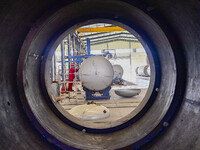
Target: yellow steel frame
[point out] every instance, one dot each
(100, 29)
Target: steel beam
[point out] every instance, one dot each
(112, 35)
(102, 34)
(100, 29)
(113, 40)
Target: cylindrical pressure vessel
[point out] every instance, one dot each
(118, 71)
(143, 70)
(96, 73)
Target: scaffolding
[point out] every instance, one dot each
(71, 46)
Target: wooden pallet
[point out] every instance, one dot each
(77, 94)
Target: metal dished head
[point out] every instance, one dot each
(128, 92)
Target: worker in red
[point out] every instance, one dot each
(72, 71)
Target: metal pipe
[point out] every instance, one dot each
(69, 48)
(63, 61)
(53, 68)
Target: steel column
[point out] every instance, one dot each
(88, 46)
(63, 60)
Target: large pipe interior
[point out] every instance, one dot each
(30, 29)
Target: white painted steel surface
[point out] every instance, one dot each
(128, 92)
(96, 73)
(118, 71)
(148, 71)
(143, 70)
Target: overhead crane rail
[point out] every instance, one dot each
(100, 29)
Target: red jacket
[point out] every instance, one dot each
(72, 73)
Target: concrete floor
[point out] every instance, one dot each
(119, 106)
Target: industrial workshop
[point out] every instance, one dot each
(99, 75)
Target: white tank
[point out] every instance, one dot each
(148, 71)
(96, 73)
(143, 70)
(118, 71)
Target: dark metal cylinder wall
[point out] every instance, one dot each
(178, 19)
